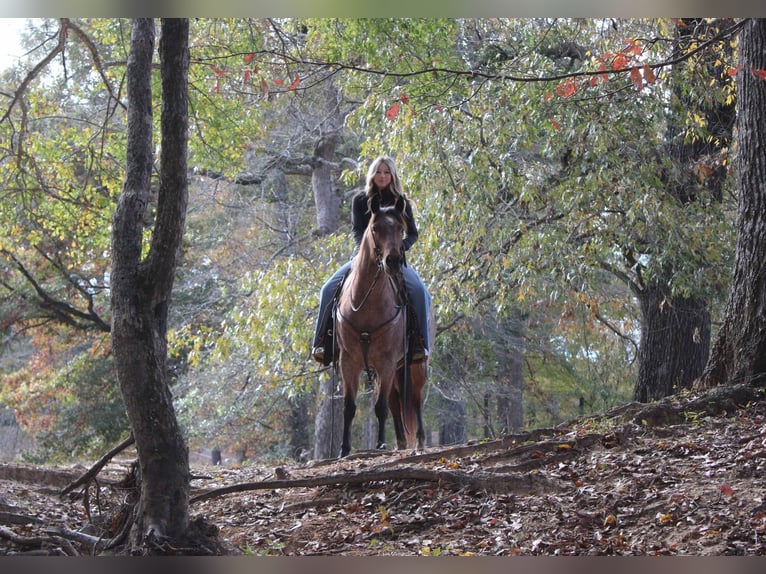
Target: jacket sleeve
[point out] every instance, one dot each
(359, 217)
(412, 229)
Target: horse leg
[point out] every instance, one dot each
(350, 388)
(349, 410)
(418, 379)
(381, 413)
(395, 404)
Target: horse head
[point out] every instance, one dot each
(386, 228)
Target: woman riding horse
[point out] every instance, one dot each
(383, 188)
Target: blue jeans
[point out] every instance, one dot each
(417, 293)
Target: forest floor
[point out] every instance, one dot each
(682, 476)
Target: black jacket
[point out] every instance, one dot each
(360, 217)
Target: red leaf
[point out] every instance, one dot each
(218, 71)
(249, 57)
(633, 48)
(620, 62)
(264, 88)
(637, 79)
(649, 75)
(392, 112)
(404, 98)
(567, 88)
(556, 125)
(247, 77)
(733, 71)
(278, 82)
(726, 490)
(295, 84)
(759, 73)
(548, 97)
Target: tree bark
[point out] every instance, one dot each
(328, 423)
(675, 340)
(326, 199)
(739, 353)
(141, 288)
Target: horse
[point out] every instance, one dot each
(371, 333)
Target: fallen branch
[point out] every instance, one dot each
(13, 518)
(477, 480)
(96, 468)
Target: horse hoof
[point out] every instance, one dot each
(382, 446)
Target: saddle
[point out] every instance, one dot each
(332, 351)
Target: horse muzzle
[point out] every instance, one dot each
(392, 263)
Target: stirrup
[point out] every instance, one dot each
(317, 353)
(419, 354)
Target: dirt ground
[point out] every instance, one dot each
(681, 477)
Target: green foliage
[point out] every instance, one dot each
(547, 199)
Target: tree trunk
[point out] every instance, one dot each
(326, 199)
(328, 424)
(452, 414)
(510, 377)
(299, 426)
(739, 353)
(675, 330)
(140, 289)
(675, 340)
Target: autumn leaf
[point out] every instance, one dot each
(649, 76)
(637, 79)
(246, 78)
(664, 518)
(392, 112)
(404, 99)
(759, 73)
(620, 62)
(567, 88)
(295, 84)
(249, 57)
(726, 490)
(633, 48)
(733, 71)
(383, 515)
(264, 88)
(558, 128)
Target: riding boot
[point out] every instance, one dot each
(418, 350)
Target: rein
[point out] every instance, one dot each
(365, 337)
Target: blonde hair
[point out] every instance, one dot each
(396, 184)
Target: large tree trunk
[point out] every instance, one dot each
(140, 289)
(739, 353)
(675, 330)
(675, 340)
